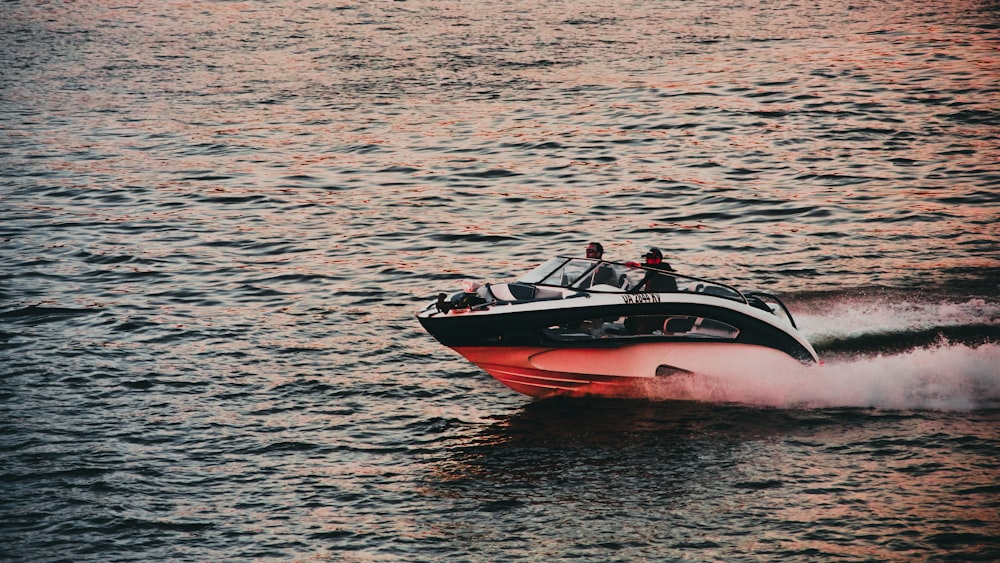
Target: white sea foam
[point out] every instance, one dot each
(946, 377)
(852, 318)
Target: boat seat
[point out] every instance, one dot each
(549, 293)
(513, 291)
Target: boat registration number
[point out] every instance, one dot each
(633, 298)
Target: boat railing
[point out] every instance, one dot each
(775, 305)
(696, 284)
(603, 276)
(645, 283)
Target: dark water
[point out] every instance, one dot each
(218, 218)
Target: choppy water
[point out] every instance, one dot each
(219, 217)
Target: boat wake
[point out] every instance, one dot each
(945, 377)
(889, 354)
(889, 324)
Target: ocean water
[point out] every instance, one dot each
(218, 218)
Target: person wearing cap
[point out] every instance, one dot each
(658, 283)
(652, 282)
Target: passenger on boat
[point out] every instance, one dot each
(656, 282)
(604, 274)
(652, 282)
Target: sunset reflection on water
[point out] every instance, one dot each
(220, 218)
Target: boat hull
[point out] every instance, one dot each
(625, 371)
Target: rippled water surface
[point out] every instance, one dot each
(218, 219)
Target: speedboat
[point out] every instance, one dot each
(582, 326)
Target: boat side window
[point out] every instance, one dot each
(683, 326)
(679, 324)
(674, 326)
(698, 327)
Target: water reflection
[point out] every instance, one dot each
(245, 210)
(689, 479)
(589, 440)
(630, 476)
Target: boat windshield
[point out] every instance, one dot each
(584, 274)
(559, 271)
